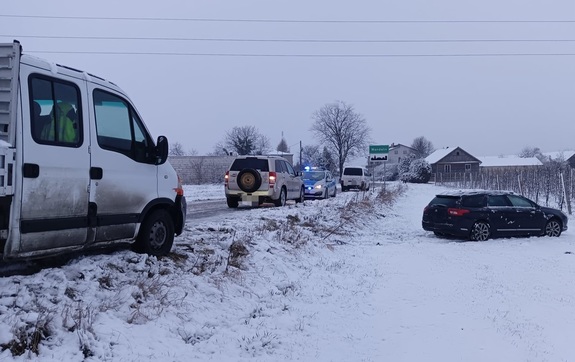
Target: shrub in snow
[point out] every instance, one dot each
(404, 164)
(419, 172)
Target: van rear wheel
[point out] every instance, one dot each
(156, 235)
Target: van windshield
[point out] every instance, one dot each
(352, 171)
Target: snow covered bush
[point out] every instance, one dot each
(419, 172)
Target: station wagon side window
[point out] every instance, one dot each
(519, 201)
(56, 112)
(473, 201)
(119, 128)
(497, 200)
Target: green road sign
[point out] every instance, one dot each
(377, 149)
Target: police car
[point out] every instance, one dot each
(318, 183)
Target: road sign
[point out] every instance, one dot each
(378, 149)
(378, 157)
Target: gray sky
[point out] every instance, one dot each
(488, 105)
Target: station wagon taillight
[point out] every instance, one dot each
(273, 177)
(457, 212)
(226, 179)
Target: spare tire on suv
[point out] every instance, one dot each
(259, 179)
(249, 180)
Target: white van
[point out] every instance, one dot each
(355, 177)
(78, 167)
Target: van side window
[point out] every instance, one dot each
(55, 109)
(119, 128)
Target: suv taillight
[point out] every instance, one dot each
(273, 177)
(457, 212)
(226, 178)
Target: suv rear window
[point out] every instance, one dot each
(255, 163)
(352, 171)
(448, 201)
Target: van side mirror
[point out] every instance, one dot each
(161, 150)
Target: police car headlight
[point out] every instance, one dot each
(318, 186)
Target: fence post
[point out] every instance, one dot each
(565, 193)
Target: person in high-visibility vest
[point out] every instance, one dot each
(65, 116)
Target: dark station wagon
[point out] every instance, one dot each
(479, 214)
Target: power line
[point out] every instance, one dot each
(282, 20)
(291, 40)
(305, 55)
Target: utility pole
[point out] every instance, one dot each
(300, 157)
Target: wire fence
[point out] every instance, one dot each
(551, 185)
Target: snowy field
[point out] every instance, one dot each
(329, 280)
(204, 192)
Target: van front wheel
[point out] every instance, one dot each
(156, 235)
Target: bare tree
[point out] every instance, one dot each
(530, 151)
(327, 161)
(246, 140)
(342, 130)
(197, 167)
(219, 150)
(176, 149)
(310, 155)
(422, 146)
(262, 145)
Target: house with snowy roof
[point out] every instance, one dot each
(452, 160)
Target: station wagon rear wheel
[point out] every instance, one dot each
(156, 234)
(480, 231)
(553, 228)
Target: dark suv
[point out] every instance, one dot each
(479, 215)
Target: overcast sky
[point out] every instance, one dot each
(464, 93)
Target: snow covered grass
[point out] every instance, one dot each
(352, 278)
(204, 192)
